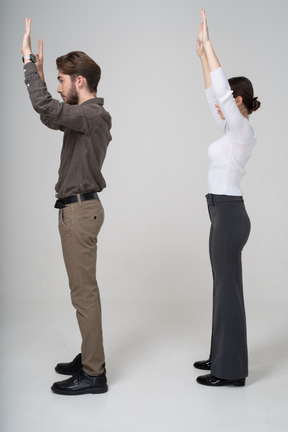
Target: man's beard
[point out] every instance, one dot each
(72, 97)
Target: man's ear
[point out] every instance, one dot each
(80, 81)
(238, 100)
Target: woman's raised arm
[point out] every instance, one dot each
(202, 55)
(204, 41)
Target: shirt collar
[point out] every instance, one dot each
(96, 100)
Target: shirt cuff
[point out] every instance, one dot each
(210, 94)
(29, 68)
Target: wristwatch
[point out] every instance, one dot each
(31, 57)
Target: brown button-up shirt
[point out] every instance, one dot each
(86, 130)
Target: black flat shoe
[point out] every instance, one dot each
(72, 367)
(81, 383)
(69, 368)
(203, 364)
(210, 380)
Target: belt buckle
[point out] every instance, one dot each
(59, 204)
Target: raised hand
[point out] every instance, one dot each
(199, 43)
(27, 49)
(40, 59)
(204, 27)
(203, 35)
(205, 49)
(26, 43)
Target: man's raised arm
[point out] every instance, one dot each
(27, 49)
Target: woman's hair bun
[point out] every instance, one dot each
(242, 86)
(255, 104)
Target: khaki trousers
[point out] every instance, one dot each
(79, 225)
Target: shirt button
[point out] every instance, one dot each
(28, 85)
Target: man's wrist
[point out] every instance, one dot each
(29, 57)
(26, 53)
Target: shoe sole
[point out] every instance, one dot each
(235, 384)
(61, 372)
(98, 390)
(203, 368)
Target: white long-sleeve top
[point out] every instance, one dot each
(229, 154)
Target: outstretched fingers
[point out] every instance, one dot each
(205, 34)
(40, 59)
(28, 26)
(26, 43)
(203, 16)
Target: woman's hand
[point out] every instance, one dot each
(205, 51)
(204, 46)
(204, 28)
(203, 35)
(199, 43)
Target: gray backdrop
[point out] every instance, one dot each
(154, 240)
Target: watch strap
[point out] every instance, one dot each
(31, 57)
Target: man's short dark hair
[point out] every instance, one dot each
(78, 63)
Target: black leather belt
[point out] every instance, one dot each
(61, 203)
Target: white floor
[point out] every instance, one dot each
(150, 353)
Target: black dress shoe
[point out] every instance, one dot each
(203, 364)
(210, 380)
(69, 368)
(72, 367)
(81, 383)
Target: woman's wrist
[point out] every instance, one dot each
(207, 45)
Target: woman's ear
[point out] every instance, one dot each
(238, 100)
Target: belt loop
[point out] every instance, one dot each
(79, 200)
(210, 199)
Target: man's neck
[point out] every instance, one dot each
(87, 96)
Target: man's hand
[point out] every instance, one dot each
(40, 59)
(27, 49)
(26, 43)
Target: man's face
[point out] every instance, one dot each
(67, 89)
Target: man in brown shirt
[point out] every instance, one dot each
(86, 126)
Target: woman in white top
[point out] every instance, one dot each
(231, 102)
